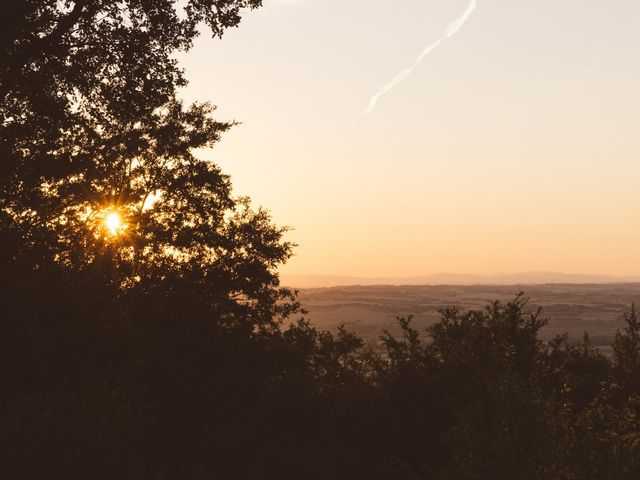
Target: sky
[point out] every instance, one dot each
(512, 145)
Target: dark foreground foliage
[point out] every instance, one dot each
(150, 390)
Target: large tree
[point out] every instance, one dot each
(135, 287)
(96, 165)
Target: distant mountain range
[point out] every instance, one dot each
(524, 278)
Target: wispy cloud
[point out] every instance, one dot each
(451, 30)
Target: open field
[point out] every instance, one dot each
(573, 308)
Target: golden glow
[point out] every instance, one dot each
(113, 223)
(497, 155)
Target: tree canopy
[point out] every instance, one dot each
(92, 128)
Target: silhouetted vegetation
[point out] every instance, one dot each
(158, 343)
(164, 389)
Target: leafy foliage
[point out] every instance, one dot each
(90, 126)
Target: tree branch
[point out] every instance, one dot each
(43, 45)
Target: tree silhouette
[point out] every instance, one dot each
(135, 288)
(91, 128)
(626, 356)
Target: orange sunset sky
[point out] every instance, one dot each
(514, 145)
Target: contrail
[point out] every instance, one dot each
(451, 30)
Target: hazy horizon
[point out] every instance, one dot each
(449, 278)
(511, 146)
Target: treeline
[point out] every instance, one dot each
(154, 387)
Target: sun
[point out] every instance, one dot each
(113, 223)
